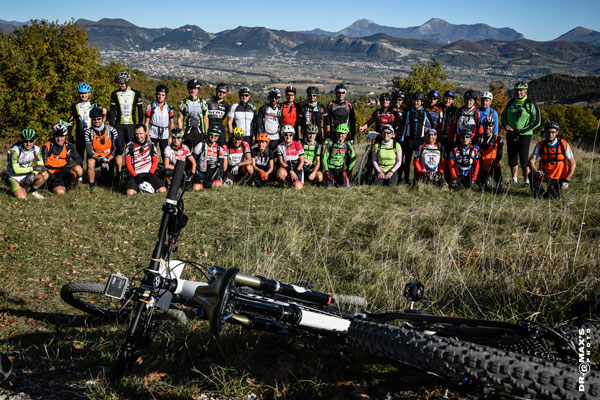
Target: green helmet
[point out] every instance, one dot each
(28, 134)
(312, 128)
(177, 133)
(342, 128)
(521, 85)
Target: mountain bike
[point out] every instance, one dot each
(520, 359)
(364, 174)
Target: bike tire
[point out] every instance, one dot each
(362, 174)
(526, 375)
(89, 297)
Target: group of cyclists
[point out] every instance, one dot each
(289, 143)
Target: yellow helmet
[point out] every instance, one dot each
(238, 133)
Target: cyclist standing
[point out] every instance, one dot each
(270, 119)
(314, 112)
(387, 158)
(416, 123)
(159, 119)
(466, 118)
(80, 116)
(291, 111)
(26, 167)
(338, 159)
(211, 161)
(464, 161)
(431, 107)
(243, 115)
(126, 110)
(262, 160)
(193, 115)
(62, 160)
(177, 151)
(398, 109)
(290, 158)
(312, 155)
(239, 158)
(340, 111)
(381, 116)
(485, 110)
(141, 159)
(447, 115)
(520, 117)
(429, 161)
(218, 109)
(557, 164)
(102, 147)
(491, 147)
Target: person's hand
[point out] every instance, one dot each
(104, 160)
(565, 184)
(40, 168)
(311, 177)
(389, 175)
(105, 166)
(508, 128)
(381, 175)
(263, 175)
(362, 128)
(235, 170)
(539, 173)
(454, 183)
(293, 175)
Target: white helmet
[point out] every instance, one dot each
(287, 129)
(146, 187)
(487, 95)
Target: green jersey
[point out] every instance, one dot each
(338, 156)
(522, 115)
(387, 154)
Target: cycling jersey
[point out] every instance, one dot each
(338, 156)
(160, 115)
(80, 114)
(290, 154)
(193, 112)
(447, 115)
(209, 156)
(217, 111)
(141, 158)
(21, 160)
(261, 159)
(291, 113)
(235, 155)
(174, 154)
(311, 152)
(429, 158)
(55, 157)
(341, 112)
(270, 121)
(382, 117)
(434, 114)
(465, 119)
(126, 107)
(464, 161)
(101, 142)
(315, 114)
(491, 150)
(244, 116)
(486, 112)
(386, 155)
(553, 157)
(416, 123)
(521, 115)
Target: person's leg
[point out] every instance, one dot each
(536, 185)
(554, 188)
(512, 150)
(524, 142)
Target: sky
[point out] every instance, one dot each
(536, 20)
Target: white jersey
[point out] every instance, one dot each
(125, 99)
(160, 116)
(83, 110)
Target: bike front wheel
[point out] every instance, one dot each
(526, 375)
(364, 169)
(89, 297)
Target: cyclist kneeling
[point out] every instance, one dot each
(463, 162)
(491, 147)
(239, 159)
(178, 151)
(429, 160)
(211, 161)
(290, 157)
(312, 155)
(62, 160)
(141, 159)
(338, 159)
(557, 164)
(101, 146)
(262, 160)
(387, 158)
(26, 167)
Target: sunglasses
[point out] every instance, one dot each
(222, 92)
(97, 119)
(244, 95)
(29, 141)
(340, 92)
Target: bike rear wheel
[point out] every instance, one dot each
(526, 375)
(89, 297)
(364, 170)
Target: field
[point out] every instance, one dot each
(508, 257)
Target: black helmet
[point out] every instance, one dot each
(290, 89)
(162, 88)
(96, 112)
(122, 77)
(274, 93)
(340, 86)
(193, 84)
(419, 96)
(244, 89)
(215, 129)
(59, 130)
(450, 93)
(383, 97)
(222, 86)
(312, 90)
(551, 125)
(470, 94)
(397, 94)
(433, 94)
(488, 121)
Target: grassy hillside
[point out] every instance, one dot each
(508, 257)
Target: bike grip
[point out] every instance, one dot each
(176, 182)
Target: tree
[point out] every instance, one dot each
(577, 124)
(423, 78)
(498, 90)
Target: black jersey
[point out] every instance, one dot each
(217, 111)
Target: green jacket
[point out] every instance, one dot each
(338, 156)
(522, 115)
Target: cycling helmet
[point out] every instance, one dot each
(342, 128)
(386, 127)
(238, 133)
(263, 137)
(59, 130)
(488, 121)
(312, 90)
(470, 94)
(465, 131)
(433, 94)
(290, 89)
(162, 88)
(96, 112)
(84, 88)
(397, 94)
(383, 97)
(521, 85)
(222, 86)
(193, 84)
(312, 128)
(450, 93)
(214, 131)
(274, 93)
(551, 125)
(244, 89)
(122, 77)
(177, 133)
(146, 187)
(431, 131)
(28, 134)
(419, 96)
(340, 86)
(287, 129)
(487, 95)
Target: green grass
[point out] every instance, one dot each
(508, 257)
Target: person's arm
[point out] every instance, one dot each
(205, 113)
(536, 119)
(375, 160)
(499, 151)
(366, 125)
(139, 107)
(417, 162)
(504, 117)
(192, 162)
(300, 163)
(351, 156)
(44, 151)
(181, 113)
(114, 108)
(147, 120)
(475, 168)
(495, 122)
(247, 159)
(281, 162)
(17, 168)
(171, 119)
(154, 158)
(129, 164)
(352, 122)
(74, 154)
(451, 165)
(271, 167)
